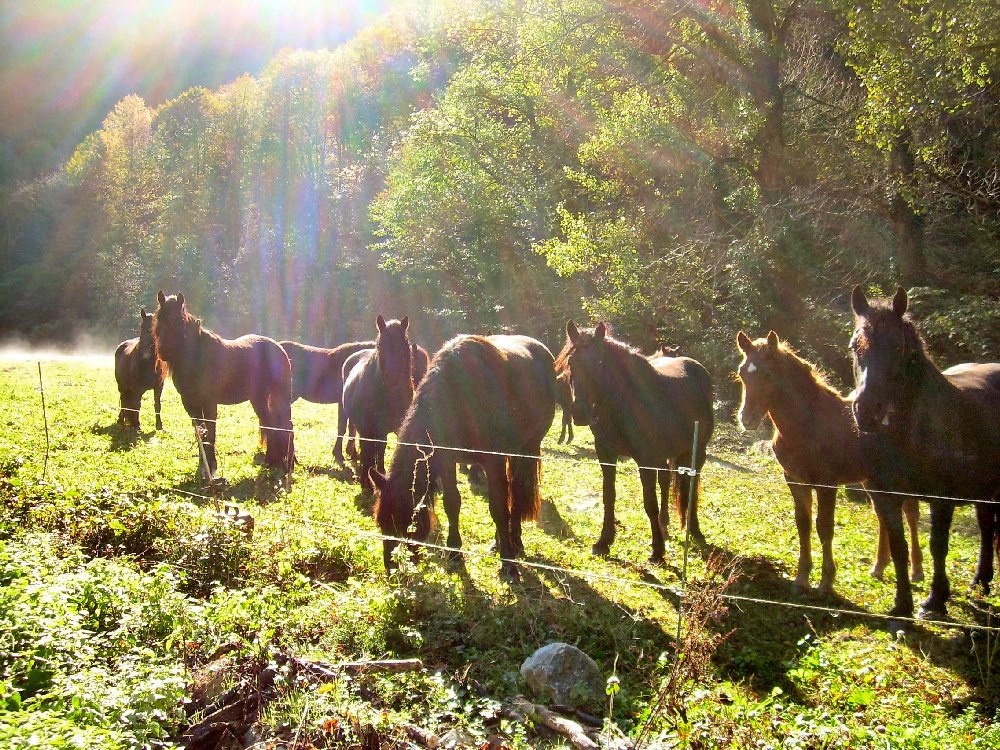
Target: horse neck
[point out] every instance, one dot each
(622, 371)
(803, 400)
(398, 386)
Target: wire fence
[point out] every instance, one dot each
(675, 591)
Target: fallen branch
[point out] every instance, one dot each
(423, 736)
(325, 671)
(568, 728)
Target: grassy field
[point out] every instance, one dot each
(128, 605)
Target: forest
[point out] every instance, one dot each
(680, 169)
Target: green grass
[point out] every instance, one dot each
(124, 519)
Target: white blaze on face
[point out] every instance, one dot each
(885, 421)
(751, 367)
(862, 377)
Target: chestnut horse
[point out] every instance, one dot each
(816, 443)
(494, 397)
(378, 389)
(136, 372)
(924, 432)
(317, 376)
(209, 370)
(641, 409)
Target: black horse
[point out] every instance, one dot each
(925, 432)
(641, 409)
(493, 397)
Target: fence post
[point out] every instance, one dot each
(692, 472)
(45, 419)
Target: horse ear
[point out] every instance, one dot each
(572, 332)
(380, 323)
(378, 480)
(899, 301)
(743, 342)
(180, 298)
(161, 297)
(772, 339)
(599, 331)
(143, 313)
(405, 322)
(858, 301)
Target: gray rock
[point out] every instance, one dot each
(561, 673)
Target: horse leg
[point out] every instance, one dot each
(157, 392)
(368, 460)
(942, 513)
(911, 510)
(663, 475)
(689, 516)
(131, 401)
(889, 508)
(353, 441)
(802, 498)
(500, 511)
(648, 479)
(986, 519)
(608, 470)
(562, 432)
(452, 507)
(338, 443)
(826, 501)
(882, 555)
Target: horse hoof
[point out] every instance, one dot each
(932, 612)
(800, 588)
(601, 550)
(917, 576)
(825, 589)
(655, 559)
(878, 574)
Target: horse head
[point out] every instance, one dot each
(402, 503)
(392, 343)
(887, 353)
(584, 356)
(169, 325)
(145, 331)
(756, 374)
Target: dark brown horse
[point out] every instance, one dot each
(491, 396)
(378, 389)
(816, 442)
(317, 376)
(564, 397)
(209, 370)
(136, 372)
(419, 361)
(641, 409)
(925, 432)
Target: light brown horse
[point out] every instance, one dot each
(816, 443)
(209, 370)
(136, 372)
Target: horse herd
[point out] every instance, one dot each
(908, 429)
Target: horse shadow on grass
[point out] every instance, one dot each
(122, 439)
(771, 628)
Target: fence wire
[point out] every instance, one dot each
(675, 591)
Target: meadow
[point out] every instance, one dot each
(129, 603)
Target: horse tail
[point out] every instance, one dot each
(279, 440)
(681, 488)
(523, 478)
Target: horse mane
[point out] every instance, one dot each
(799, 370)
(191, 330)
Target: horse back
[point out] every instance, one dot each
(493, 393)
(685, 390)
(246, 368)
(317, 373)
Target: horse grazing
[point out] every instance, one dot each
(641, 409)
(926, 432)
(378, 389)
(209, 370)
(816, 443)
(564, 397)
(487, 400)
(317, 376)
(136, 372)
